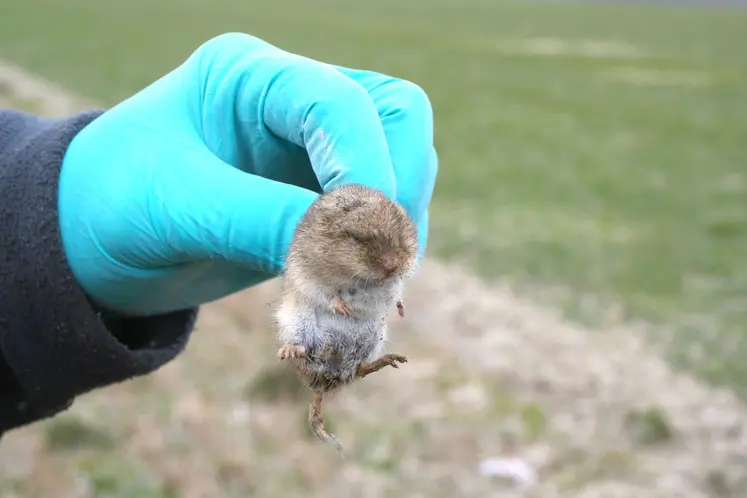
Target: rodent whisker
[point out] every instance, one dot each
(357, 278)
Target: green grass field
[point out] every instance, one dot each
(600, 148)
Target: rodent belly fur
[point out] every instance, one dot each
(337, 344)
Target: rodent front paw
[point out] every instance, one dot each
(401, 309)
(291, 351)
(339, 307)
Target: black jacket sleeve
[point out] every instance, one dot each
(54, 344)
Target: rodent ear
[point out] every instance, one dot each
(351, 204)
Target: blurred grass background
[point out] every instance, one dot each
(596, 147)
(596, 150)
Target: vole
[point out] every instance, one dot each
(346, 268)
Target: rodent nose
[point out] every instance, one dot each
(389, 262)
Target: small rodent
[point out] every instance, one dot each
(347, 265)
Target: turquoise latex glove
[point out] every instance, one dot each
(191, 189)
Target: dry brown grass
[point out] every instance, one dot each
(596, 413)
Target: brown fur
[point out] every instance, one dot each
(353, 230)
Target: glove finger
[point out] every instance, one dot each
(407, 117)
(307, 103)
(210, 210)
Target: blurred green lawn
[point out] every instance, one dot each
(615, 166)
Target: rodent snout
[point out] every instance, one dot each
(389, 262)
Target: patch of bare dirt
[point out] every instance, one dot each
(595, 413)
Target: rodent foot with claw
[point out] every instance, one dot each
(387, 360)
(339, 307)
(291, 351)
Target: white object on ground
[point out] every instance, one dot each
(514, 469)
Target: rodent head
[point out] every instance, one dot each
(354, 232)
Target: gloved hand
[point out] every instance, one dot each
(191, 189)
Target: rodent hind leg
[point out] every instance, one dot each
(387, 360)
(291, 351)
(339, 306)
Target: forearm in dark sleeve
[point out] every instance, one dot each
(54, 345)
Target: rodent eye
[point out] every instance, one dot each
(358, 238)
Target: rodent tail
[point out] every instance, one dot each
(316, 422)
